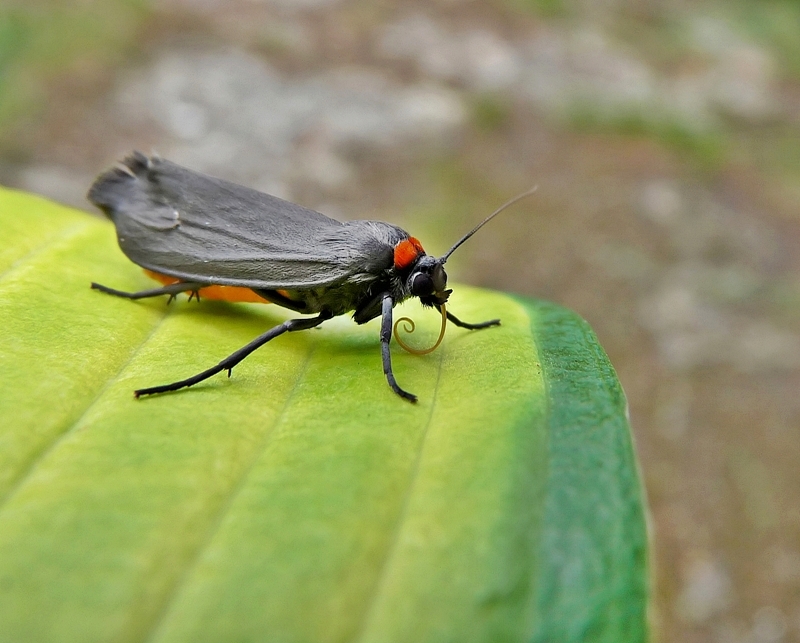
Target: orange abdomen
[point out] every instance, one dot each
(222, 293)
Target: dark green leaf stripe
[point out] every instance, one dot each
(592, 584)
(299, 501)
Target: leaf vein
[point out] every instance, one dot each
(60, 436)
(71, 231)
(225, 507)
(398, 528)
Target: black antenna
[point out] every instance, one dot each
(486, 220)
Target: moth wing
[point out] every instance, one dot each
(198, 228)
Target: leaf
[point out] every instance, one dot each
(300, 500)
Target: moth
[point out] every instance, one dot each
(200, 234)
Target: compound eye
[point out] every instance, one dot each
(439, 278)
(421, 285)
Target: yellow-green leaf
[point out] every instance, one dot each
(300, 500)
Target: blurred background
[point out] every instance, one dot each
(665, 140)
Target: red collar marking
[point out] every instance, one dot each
(406, 252)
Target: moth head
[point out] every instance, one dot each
(428, 281)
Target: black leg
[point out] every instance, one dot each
(172, 290)
(458, 322)
(234, 358)
(281, 300)
(386, 335)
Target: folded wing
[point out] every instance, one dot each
(181, 223)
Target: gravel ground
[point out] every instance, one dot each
(666, 146)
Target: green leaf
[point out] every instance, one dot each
(300, 500)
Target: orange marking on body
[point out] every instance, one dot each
(221, 293)
(406, 252)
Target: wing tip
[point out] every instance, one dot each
(105, 191)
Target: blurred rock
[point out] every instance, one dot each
(581, 70)
(691, 331)
(230, 113)
(742, 77)
(661, 201)
(769, 625)
(285, 5)
(300, 5)
(707, 591)
(688, 331)
(744, 84)
(477, 58)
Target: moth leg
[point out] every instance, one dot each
(234, 358)
(281, 300)
(173, 290)
(386, 335)
(461, 324)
